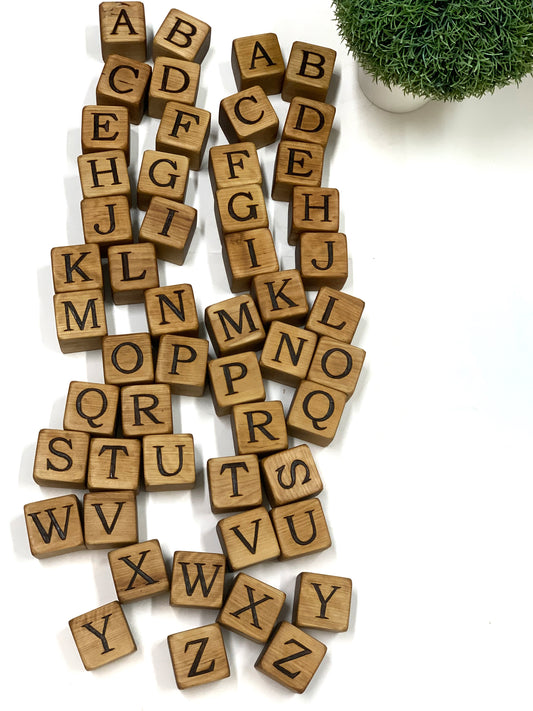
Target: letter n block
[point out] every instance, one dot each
(287, 353)
(110, 519)
(335, 314)
(259, 428)
(61, 459)
(127, 359)
(290, 475)
(247, 254)
(132, 270)
(104, 175)
(80, 320)
(54, 526)
(297, 163)
(106, 221)
(92, 408)
(280, 296)
(234, 325)
(313, 210)
(309, 71)
(309, 121)
(322, 260)
(123, 29)
(247, 538)
(249, 116)
(124, 82)
(322, 602)
(234, 483)
(114, 464)
(184, 129)
(234, 166)
(105, 128)
(315, 413)
(197, 579)
(172, 80)
(138, 571)
(146, 410)
(171, 309)
(182, 36)
(198, 656)
(182, 364)
(76, 268)
(257, 61)
(240, 209)
(235, 379)
(168, 462)
(301, 528)
(170, 227)
(336, 365)
(162, 174)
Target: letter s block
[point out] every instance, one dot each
(61, 458)
(309, 71)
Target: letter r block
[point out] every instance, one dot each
(54, 526)
(80, 320)
(124, 82)
(257, 61)
(197, 579)
(309, 71)
(146, 410)
(182, 36)
(198, 656)
(249, 116)
(322, 602)
(123, 29)
(138, 571)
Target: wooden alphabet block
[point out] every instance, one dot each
(54, 526)
(184, 129)
(309, 121)
(257, 61)
(337, 365)
(182, 36)
(234, 483)
(114, 464)
(280, 296)
(259, 428)
(127, 359)
(249, 116)
(123, 29)
(182, 364)
(172, 80)
(124, 82)
(322, 602)
(110, 519)
(315, 413)
(171, 310)
(105, 128)
(234, 325)
(247, 538)
(146, 410)
(291, 657)
(61, 459)
(287, 353)
(335, 314)
(235, 379)
(309, 72)
(290, 475)
(168, 462)
(234, 166)
(313, 210)
(297, 163)
(240, 209)
(132, 270)
(92, 408)
(106, 221)
(104, 175)
(170, 227)
(162, 175)
(322, 259)
(301, 528)
(76, 268)
(80, 320)
(138, 571)
(102, 636)
(197, 579)
(251, 608)
(198, 656)
(247, 254)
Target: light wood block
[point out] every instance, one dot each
(280, 296)
(240, 209)
(138, 571)
(163, 175)
(234, 325)
(54, 526)
(287, 353)
(170, 227)
(102, 636)
(132, 271)
(247, 254)
(297, 163)
(322, 602)
(257, 61)
(124, 82)
(105, 128)
(249, 116)
(61, 459)
(309, 121)
(146, 410)
(309, 72)
(184, 129)
(234, 483)
(234, 166)
(197, 579)
(322, 259)
(301, 528)
(182, 36)
(104, 175)
(337, 365)
(171, 310)
(291, 657)
(335, 314)
(251, 608)
(235, 379)
(127, 359)
(248, 538)
(106, 221)
(290, 475)
(313, 210)
(259, 428)
(172, 80)
(92, 408)
(168, 462)
(123, 29)
(315, 413)
(198, 656)
(110, 519)
(114, 464)
(76, 268)
(182, 364)
(80, 320)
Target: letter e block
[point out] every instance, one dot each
(132, 270)
(322, 260)
(171, 309)
(297, 163)
(106, 221)
(280, 296)
(234, 483)
(234, 166)
(61, 459)
(313, 210)
(234, 325)
(138, 571)
(123, 29)
(124, 82)
(315, 413)
(301, 528)
(309, 121)
(197, 579)
(249, 116)
(80, 320)
(247, 538)
(290, 475)
(235, 379)
(337, 365)
(104, 175)
(247, 254)
(182, 36)
(182, 364)
(110, 519)
(257, 61)
(198, 656)
(163, 175)
(92, 408)
(287, 353)
(54, 526)
(146, 410)
(335, 314)
(309, 71)
(170, 227)
(105, 128)
(184, 129)
(259, 428)
(114, 464)
(322, 602)
(168, 462)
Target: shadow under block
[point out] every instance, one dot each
(61, 459)
(102, 636)
(249, 116)
(182, 36)
(197, 579)
(198, 656)
(114, 464)
(76, 268)
(172, 80)
(290, 476)
(322, 259)
(301, 528)
(132, 270)
(297, 163)
(280, 296)
(162, 175)
(123, 29)
(309, 121)
(127, 359)
(259, 428)
(106, 221)
(315, 413)
(234, 325)
(168, 462)
(80, 320)
(170, 227)
(291, 657)
(105, 128)
(257, 61)
(247, 254)
(247, 538)
(182, 364)
(287, 353)
(234, 166)
(235, 379)
(171, 310)
(104, 175)
(336, 365)
(110, 519)
(124, 82)
(146, 410)
(92, 408)
(138, 571)
(234, 483)
(251, 608)
(322, 602)
(240, 209)
(313, 210)
(184, 129)
(54, 526)
(309, 72)
(335, 314)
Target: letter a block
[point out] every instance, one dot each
(132, 270)
(287, 353)
(247, 538)
(315, 413)
(290, 475)
(80, 320)
(110, 519)
(172, 80)
(168, 462)
(106, 221)
(234, 483)
(182, 36)
(54, 526)
(76, 268)
(197, 579)
(146, 410)
(235, 379)
(170, 227)
(162, 174)
(335, 314)
(182, 364)
(259, 428)
(104, 175)
(297, 163)
(249, 116)
(184, 129)
(309, 71)
(138, 571)
(124, 82)
(322, 602)
(198, 656)
(257, 61)
(92, 408)
(61, 459)
(301, 528)
(123, 29)
(234, 325)
(322, 260)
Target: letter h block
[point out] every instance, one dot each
(249, 116)
(197, 579)
(104, 175)
(138, 571)
(313, 210)
(123, 30)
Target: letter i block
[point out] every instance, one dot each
(92, 408)
(124, 82)
(287, 353)
(335, 314)
(309, 121)
(336, 365)
(313, 210)
(80, 320)
(301, 528)
(257, 61)
(291, 657)
(247, 254)
(322, 260)
(249, 116)
(76, 268)
(315, 413)
(290, 475)
(172, 80)
(146, 410)
(280, 296)
(171, 309)
(138, 571)
(309, 71)
(54, 526)
(259, 428)
(61, 459)
(162, 175)
(106, 221)
(234, 483)
(114, 464)
(322, 602)
(235, 379)
(104, 175)
(234, 166)
(132, 270)
(168, 462)
(102, 636)
(110, 519)
(297, 163)
(238, 209)
(247, 538)
(105, 128)
(198, 656)
(123, 29)
(234, 325)
(170, 227)
(197, 580)
(182, 36)
(127, 359)
(184, 129)
(182, 364)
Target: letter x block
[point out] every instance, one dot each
(235, 379)
(171, 309)
(301, 528)
(184, 129)
(234, 325)
(240, 209)
(198, 656)
(92, 408)
(313, 210)
(234, 483)
(315, 413)
(132, 270)
(287, 353)
(127, 359)
(182, 36)
(138, 571)
(322, 259)
(259, 428)
(110, 519)
(247, 254)
(249, 116)
(309, 71)
(123, 29)
(168, 462)
(182, 364)
(124, 82)
(61, 459)
(54, 526)
(309, 121)
(146, 410)
(197, 579)
(280, 296)
(76, 268)
(162, 174)
(170, 227)
(337, 365)
(322, 602)
(114, 464)
(106, 221)
(80, 320)
(257, 61)
(335, 314)
(172, 80)
(297, 163)
(290, 475)
(247, 538)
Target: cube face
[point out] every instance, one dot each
(80, 320)
(234, 166)
(162, 174)
(146, 410)
(172, 80)
(248, 538)
(280, 296)
(54, 526)
(182, 364)
(335, 314)
(197, 579)
(309, 121)
(322, 260)
(171, 310)
(322, 602)
(124, 82)
(313, 210)
(291, 475)
(92, 408)
(104, 175)
(114, 464)
(76, 268)
(198, 656)
(110, 519)
(257, 61)
(105, 128)
(170, 227)
(241, 209)
(106, 221)
(127, 359)
(315, 413)
(234, 483)
(184, 129)
(132, 270)
(287, 353)
(123, 29)
(259, 428)
(182, 36)
(297, 163)
(337, 365)
(309, 71)
(102, 636)
(138, 571)
(168, 462)
(234, 325)
(247, 254)
(235, 379)
(61, 458)
(249, 116)
(301, 528)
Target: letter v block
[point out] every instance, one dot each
(198, 656)
(301, 528)
(138, 571)
(197, 579)
(248, 538)
(54, 526)
(110, 519)
(322, 602)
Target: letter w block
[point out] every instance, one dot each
(197, 579)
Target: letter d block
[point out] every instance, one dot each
(124, 82)
(197, 580)
(123, 29)
(182, 36)
(257, 61)
(240, 209)
(162, 175)
(335, 314)
(309, 121)
(172, 80)
(168, 462)
(61, 459)
(127, 359)
(92, 408)
(248, 538)
(315, 413)
(198, 656)
(54, 526)
(146, 410)
(297, 163)
(259, 428)
(110, 519)
(170, 227)
(249, 116)
(138, 571)
(322, 602)
(301, 528)
(76, 268)
(309, 71)
(80, 320)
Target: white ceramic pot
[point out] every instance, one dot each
(394, 99)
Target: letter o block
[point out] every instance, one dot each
(128, 359)
(315, 413)
(249, 116)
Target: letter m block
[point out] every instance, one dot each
(80, 320)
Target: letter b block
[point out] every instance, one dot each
(182, 36)
(309, 71)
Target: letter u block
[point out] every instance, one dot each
(163, 175)
(80, 320)
(172, 80)
(309, 72)
(197, 579)
(249, 116)
(123, 29)
(257, 61)
(54, 526)
(124, 82)
(168, 462)
(301, 528)
(182, 36)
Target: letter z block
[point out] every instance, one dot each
(249, 116)
(301, 528)
(309, 72)
(80, 320)
(124, 82)
(138, 571)
(247, 538)
(197, 580)
(54, 526)
(297, 163)
(123, 29)
(198, 656)
(322, 602)
(61, 459)
(172, 80)
(92, 408)
(234, 483)
(168, 462)
(257, 61)
(110, 519)
(182, 36)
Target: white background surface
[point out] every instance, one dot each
(428, 484)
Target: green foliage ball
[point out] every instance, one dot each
(440, 49)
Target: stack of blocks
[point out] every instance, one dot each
(118, 433)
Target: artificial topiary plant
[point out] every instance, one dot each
(440, 49)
